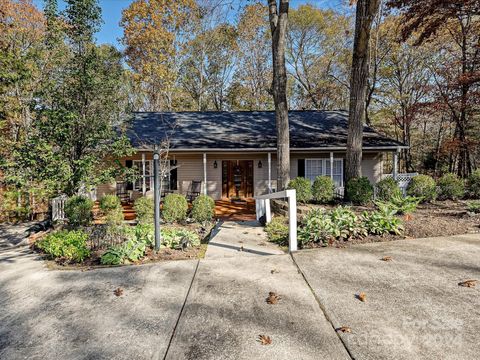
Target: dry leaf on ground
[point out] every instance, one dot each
(264, 339)
(274, 271)
(468, 283)
(361, 296)
(118, 292)
(273, 298)
(386, 258)
(344, 329)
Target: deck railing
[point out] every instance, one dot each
(58, 208)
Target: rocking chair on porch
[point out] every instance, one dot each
(194, 191)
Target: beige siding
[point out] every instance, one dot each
(191, 168)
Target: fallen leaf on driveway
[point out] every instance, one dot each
(361, 296)
(468, 283)
(264, 339)
(386, 258)
(118, 292)
(273, 271)
(272, 298)
(344, 329)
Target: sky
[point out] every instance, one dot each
(111, 32)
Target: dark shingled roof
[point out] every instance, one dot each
(238, 130)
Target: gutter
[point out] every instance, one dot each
(265, 150)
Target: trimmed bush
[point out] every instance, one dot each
(78, 210)
(323, 189)
(144, 210)
(69, 245)
(112, 209)
(473, 184)
(359, 191)
(277, 230)
(451, 187)
(203, 209)
(387, 188)
(303, 188)
(175, 208)
(424, 187)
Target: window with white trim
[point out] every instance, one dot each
(138, 184)
(321, 167)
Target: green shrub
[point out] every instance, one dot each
(359, 190)
(175, 238)
(112, 209)
(70, 245)
(422, 186)
(474, 207)
(402, 205)
(451, 187)
(382, 222)
(303, 188)
(277, 230)
(323, 226)
(130, 251)
(175, 208)
(144, 210)
(203, 209)
(473, 184)
(387, 188)
(323, 189)
(78, 210)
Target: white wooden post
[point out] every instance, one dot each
(144, 180)
(331, 165)
(395, 165)
(269, 173)
(268, 213)
(292, 220)
(204, 173)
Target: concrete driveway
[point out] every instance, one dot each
(414, 307)
(52, 314)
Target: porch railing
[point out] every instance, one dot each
(403, 180)
(58, 208)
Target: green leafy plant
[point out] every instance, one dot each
(277, 230)
(203, 209)
(359, 190)
(175, 207)
(70, 245)
(130, 251)
(145, 233)
(175, 238)
(78, 210)
(402, 205)
(322, 226)
(422, 186)
(382, 222)
(323, 189)
(473, 184)
(474, 207)
(144, 210)
(303, 188)
(112, 209)
(451, 187)
(387, 188)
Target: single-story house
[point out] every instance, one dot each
(233, 154)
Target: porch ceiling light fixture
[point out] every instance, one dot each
(215, 165)
(260, 164)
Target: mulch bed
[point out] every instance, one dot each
(439, 218)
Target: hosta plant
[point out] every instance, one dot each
(382, 222)
(401, 205)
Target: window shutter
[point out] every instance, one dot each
(173, 175)
(301, 167)
(129, 164)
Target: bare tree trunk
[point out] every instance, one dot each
(278, 17)
(366, 12)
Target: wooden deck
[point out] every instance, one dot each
(225, 209)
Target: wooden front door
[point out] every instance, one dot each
(237, 178)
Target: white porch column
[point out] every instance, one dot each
(144, 184)
(331, 165)
(204, 173)
(269, 173)
(395, 165)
